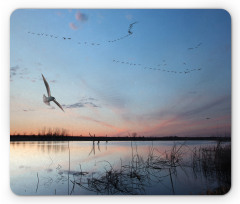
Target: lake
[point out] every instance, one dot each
(110, 168)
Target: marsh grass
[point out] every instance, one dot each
(139, 173)
(215, 164)
(133, 178)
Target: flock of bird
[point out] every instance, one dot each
(63, 38)
(160, 67)
(83, 43)
(186, 71)
(125, 36)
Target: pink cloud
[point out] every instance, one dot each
(73, 26)
(81, 17)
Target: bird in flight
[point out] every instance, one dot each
(50, 98)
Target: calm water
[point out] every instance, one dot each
(81, 168)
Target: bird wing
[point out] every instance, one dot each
(47, 86)
(58, 105)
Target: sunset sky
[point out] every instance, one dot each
(105, 97)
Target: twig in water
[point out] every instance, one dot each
(37, 183)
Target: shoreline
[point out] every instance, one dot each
(103, 138)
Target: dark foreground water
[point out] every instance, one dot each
(115, 168)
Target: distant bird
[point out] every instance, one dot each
(208, 118)
(48, 99)
(64, 38)
(199, 44)
(69, 38)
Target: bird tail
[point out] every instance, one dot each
(45, 100)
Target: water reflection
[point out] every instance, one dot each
(118, 168)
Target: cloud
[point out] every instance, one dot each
(191, 111)
(93, 99)
(81, 17)
(81, 104)
(74, 105)
(189, 121)
(208, 106)
(73, 26)
(16, 70)
(88, 99)
(13, 70)
(92, 104)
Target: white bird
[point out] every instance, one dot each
(48, 99)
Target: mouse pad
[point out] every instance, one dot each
(120, 102)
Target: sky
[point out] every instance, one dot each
(118, 72)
